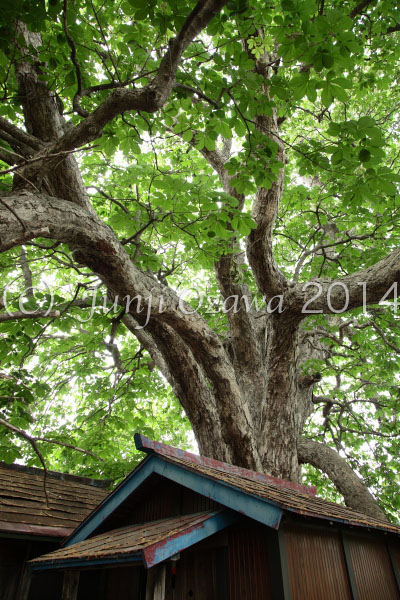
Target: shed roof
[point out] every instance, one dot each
(284, 494)
(23, 507)
(149, 543)
(255, 495)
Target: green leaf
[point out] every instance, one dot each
(364, 155)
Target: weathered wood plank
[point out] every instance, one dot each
(155, 587)
(24, 584)
(70, 586)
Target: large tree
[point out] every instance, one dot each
(246, 150)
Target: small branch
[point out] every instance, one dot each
(188, 88)
(360, 7)
(35, 160)
(70, 40)
(27, 273)
(71, 446)
(19, 315)
(380, 332)
(393, 29)
(32, 442)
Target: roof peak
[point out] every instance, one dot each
(149, 446)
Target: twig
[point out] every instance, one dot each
(32, 442)
(70, 40)
(71, 446)
(189, 88)
(19, 315)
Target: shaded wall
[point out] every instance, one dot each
(373, 572)
(14, 574)
(324, 562)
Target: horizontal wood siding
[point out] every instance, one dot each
(248, 568)
(316, 565)
(372, 568)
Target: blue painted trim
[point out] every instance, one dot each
(157, 553)
(244, 503)
(82, 564)
(109, 504)
(224, 493)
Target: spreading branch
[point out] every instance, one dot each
(367, 286)
(148, 99)
(355, 493)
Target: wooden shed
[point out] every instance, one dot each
(35, 518)
(182, 526)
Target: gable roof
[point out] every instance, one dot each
(23, 508)
(287, 495)
(150, 543)
(255, 495)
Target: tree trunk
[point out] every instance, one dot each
(245, 396)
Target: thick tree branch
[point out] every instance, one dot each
(19, 136)
(148, 99)
(365, 287)
(260, 254)
(94, 245)
(360, 7)
(356, 494)
(244, 328)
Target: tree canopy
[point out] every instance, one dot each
(199, 226)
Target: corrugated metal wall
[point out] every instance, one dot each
(194, 576)
(316, 565)
(372, 568)
(160, 503)
(248, 568)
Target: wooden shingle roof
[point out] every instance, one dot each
(287, 496)
(23, 506)
(150, 542)
(291, 499)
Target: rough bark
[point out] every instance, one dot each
(244, 394)
(354, 492)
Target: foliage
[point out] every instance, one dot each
(333, 83)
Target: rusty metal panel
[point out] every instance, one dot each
(248, 568)
(372, 568)
(316, 564)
